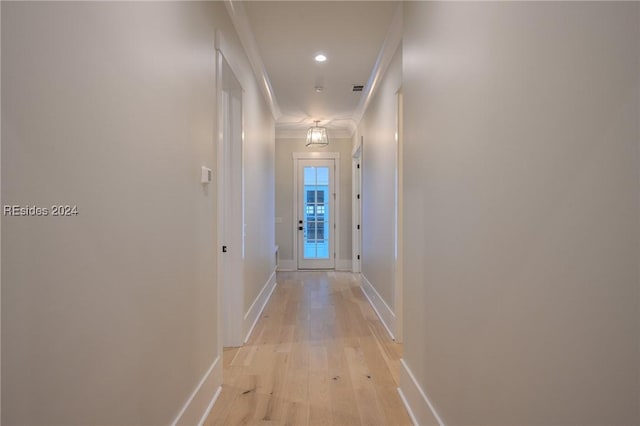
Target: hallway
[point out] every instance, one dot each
(319, 355)
(463, 177)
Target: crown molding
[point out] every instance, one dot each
(389, 47)
(240, 21)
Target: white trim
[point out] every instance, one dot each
(1, 240)
(357, 149)
(414, 421)
(399, 223)
(218, 147)
(356, 206)
(210, 407)
(287, 265)
(384, 312)
(415, 399)
(253, 314)
(241, 23)
(316, 155)
(344, 265)
(290, 265)
(195, 408)
(391, 43)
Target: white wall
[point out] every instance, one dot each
(110, 317)
(284, 196)
(259, 164)
(522, 172)
(378, 128)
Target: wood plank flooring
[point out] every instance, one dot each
(318, 356)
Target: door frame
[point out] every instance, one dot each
(399, 226)
(230, 267)
(356, 206)
(336, 204)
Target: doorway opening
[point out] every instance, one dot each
(230, 203)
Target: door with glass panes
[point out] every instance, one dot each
(315, 221)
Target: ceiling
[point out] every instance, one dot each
(289, 34)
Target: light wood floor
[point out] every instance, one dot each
(318, 356)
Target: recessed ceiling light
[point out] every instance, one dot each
(320, 58)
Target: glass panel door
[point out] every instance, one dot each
(316, 207)
(315, 214)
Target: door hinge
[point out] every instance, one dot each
(358, 226)
(224, 249)
(358, 257)
(334, 255)
(358, 165)
(334, 195)
(358, 196)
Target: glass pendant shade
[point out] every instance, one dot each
(317, 135)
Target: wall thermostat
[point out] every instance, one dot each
(207, 175)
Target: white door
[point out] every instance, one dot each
(316, 214)
(356, 205)
(230, 204)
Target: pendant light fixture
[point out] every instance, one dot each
(317, 135)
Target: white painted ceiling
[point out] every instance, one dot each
(289, 34)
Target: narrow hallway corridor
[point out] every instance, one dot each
(319, 355)
(224, 212)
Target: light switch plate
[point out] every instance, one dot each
(206, 175)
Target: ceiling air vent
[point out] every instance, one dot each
(357, 88)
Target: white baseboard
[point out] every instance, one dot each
(253, 314)
(291, 265)
(287, 265)
(415, 399)
(343, 265)
(201, 400)
(386, 315)
(210, 406)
